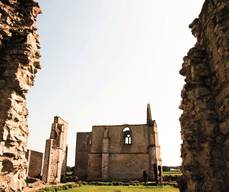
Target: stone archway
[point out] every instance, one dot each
(19, 62)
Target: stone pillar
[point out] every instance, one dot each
(19, 62)
(55, 152)
(47, 161)
(205, 102)
(105, 155)
(60, 164)
(64, 166)
(154, 147)
(154, 151)
(151, 162)
(28, 157)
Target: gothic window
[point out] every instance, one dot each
(127, 136)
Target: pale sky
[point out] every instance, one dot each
(104, 60)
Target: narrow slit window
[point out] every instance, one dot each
(127, 136)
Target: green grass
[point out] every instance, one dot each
(93, 188)
(172, 173)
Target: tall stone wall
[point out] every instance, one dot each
(110, 158)
(205, 102)
(19, 62)
(119, 152)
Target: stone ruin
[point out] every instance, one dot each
(55, 158)
(205, 102)
(119, 152)
(19, 62)
(51, 165)
(205, 96)
(35, 164)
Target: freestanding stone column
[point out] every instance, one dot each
(19, 62)
(55, 158)
(205, 102)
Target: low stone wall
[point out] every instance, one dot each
(35, 163)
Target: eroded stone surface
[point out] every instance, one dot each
(55, 159)
(205, 102)
(19, 62)
(35, 163)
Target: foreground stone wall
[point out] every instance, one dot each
(205, 102)
(19, 62)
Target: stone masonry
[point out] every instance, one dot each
(205, 102)
(119, 152)
(35, 163)
(55, 158)
(19, 62)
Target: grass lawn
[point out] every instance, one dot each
(140, 188)
(176, 172)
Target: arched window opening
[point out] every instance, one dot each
(127, 136)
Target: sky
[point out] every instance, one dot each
(104, 60)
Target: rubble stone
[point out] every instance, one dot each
(19, 62)
(205, 96)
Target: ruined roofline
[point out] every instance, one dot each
(58, 117)
(83, 132)
(34, 151)
(149, 120)
(125, 125)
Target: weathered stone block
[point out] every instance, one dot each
(35, 163)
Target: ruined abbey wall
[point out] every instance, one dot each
(134, 158)
(205, 102)
(19, 62)
(55, 157)
(119, 152)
